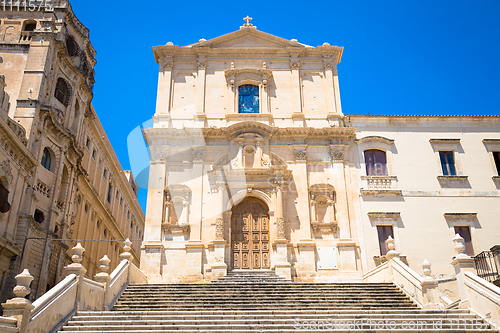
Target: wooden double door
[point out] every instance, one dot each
(250, 235)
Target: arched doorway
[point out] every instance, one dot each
(250, 235)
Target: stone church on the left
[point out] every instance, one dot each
(60, 180)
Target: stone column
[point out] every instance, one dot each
(282, 267)
(200, 98)
(295, 68)
(219, 267)
(20, 307)
(197, 189)
(337, 153)
(164, 86)
(329, 65)
(152, 246)
(462, 263)
(430, 288)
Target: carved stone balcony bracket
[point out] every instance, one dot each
(175, 229)
(325, 228)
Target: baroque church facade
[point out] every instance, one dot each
(254, 166)
(60, 180)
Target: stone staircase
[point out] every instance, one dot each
(263, 302)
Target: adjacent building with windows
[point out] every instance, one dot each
(60, 181)
(254, 166)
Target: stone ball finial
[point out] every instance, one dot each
(202, 40)
(232, 65)
(326, 44)
(77, 256)
(23, 280)
(170, 44)
(104, 264)
(460, 246)
(294, 40)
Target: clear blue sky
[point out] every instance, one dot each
(400, 57)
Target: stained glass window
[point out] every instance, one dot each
(248, 101)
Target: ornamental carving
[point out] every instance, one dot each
(280, 228)
(300, 155)
(219, 228)
(337, 155)
(160, 155)
(295, 65)
(6, 171)
(198, 156)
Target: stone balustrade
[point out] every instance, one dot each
(75, 292)
(476, 294)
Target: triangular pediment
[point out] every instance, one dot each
(248, 38)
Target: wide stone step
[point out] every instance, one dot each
(305, 325)
(338, 312)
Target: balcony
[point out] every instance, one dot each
(377, 185)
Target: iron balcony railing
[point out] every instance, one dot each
(486, 267)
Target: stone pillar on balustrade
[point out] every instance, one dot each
(103, 276)
(77, 268)
(495, 250)
(430, 290)
(19, 307)
(219, 267)
(462, 263)
(282, 267)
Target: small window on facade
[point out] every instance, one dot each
(94, 153)
(72, 46)
(248, 99)
(98, 224)
(376, 162)
(105, 233)
(31, 26)
(447, 163)
(117, 194)
(105, 174)
(464, 232)
(39, 216)
(63, 91)
(110, 193)
(496, 156)
(121, 202)
(46, 159)
(87, 144)
(384, 231)
(86, 208)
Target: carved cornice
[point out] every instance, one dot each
(159, 136)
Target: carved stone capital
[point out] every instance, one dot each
(198, 155)
(159, 154)
(295, 65)
(300, 155)
(337, 155)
